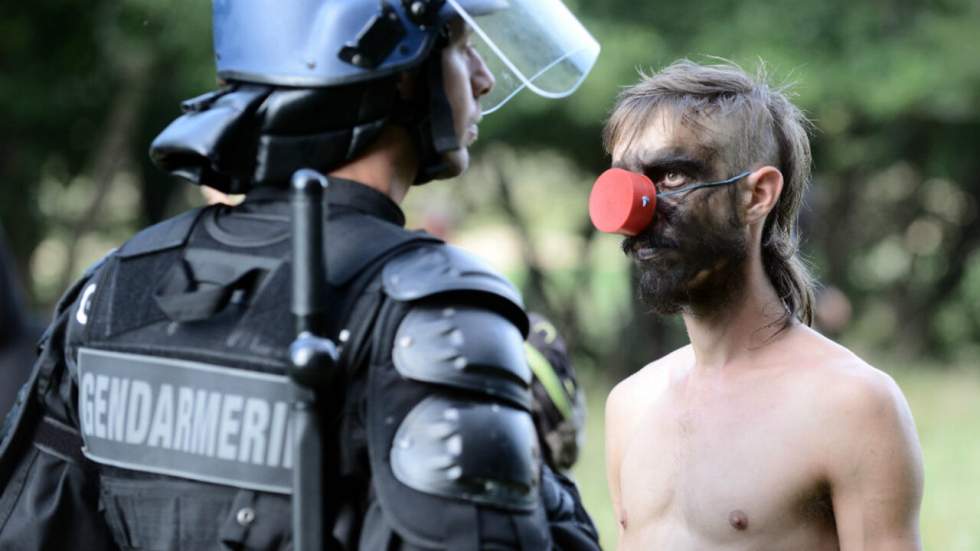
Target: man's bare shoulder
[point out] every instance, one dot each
(823, 358)
(651, 380)
(846, 390)
(629, 399)
(871, 456)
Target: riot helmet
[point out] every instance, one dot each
(311, 83)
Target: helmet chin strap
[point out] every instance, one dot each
(433, 131)
(437, 133)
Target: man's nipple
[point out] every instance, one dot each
(738, 519)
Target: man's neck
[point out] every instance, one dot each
(729, 338)
(389, 165)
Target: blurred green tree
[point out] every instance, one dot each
(83, 89)
(892, 85)
(894, 90)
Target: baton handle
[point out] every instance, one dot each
(313, 358)
(309, 262)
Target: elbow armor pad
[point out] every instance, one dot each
(476, 451)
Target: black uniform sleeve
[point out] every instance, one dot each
(571, 527)
(49, 496)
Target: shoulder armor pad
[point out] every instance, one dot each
(168, 234)
(475, 451)
(464, 347)
(435, 270)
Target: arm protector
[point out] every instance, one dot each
(454, 455)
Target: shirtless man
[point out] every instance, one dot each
(761, 434)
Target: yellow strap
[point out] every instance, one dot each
(549, 379)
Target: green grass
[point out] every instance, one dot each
(946, 406)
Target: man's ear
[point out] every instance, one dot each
(764, 188)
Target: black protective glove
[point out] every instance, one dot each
(571, 527)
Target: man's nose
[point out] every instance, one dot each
(482, 80)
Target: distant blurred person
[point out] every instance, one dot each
(558, 407)
(832, 311)
(761, 433)
(18, 332)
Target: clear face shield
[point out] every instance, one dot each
(535, 44)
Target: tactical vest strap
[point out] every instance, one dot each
(61, 440)
(196, 305)
(204, 282)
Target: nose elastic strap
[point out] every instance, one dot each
(625, 202)
(731, 180)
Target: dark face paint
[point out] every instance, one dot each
(689, 258)
(687, 189)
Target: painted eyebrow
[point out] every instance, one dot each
(658, 163)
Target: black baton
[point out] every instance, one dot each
(313, 358)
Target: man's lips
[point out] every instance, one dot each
(474, 128)
(646, 249)
(646, 252)
(652, 244)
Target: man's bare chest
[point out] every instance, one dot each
(724, 470)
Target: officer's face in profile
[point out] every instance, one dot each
(466, 79)
(692, 257)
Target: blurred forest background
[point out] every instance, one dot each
(891, 227)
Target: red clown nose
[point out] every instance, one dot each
(622, 202)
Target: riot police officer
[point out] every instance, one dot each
(558, 407)
(19, 333)
(157, 415)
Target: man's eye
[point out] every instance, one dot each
(673, 178)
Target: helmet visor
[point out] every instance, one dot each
(535, 44)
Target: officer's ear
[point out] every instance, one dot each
(762, 191)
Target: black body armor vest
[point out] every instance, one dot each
(157, 413)
(182, 356)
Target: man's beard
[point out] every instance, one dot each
(701, 272)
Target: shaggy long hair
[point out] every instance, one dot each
(761, 126)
